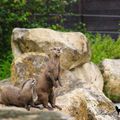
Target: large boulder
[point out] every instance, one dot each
(26, 66)
(90, 73)
(75, 44)
(74, 104)
(111, 75)
(80, 95)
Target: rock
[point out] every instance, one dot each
(74, 104)
(87, 72)
(13, 113)
(16, 39)
(111, 75)
(99, 107)
(27, 66)
(5, 81)
(76, 49)
(90, 73)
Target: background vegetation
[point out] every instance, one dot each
(40, 13)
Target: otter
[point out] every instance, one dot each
(20, 97)
(44, 89)
(48, 79)
(54, 63)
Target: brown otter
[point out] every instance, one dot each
(20, 97)
(48, 79)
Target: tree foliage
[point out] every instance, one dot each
(25, 13)
(21, 13)
(38, 13)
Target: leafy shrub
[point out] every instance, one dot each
(103, 47)
(18, 13)
(5, 65)
(23, 13)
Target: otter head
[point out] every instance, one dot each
(34, 92)
(30, 86)
(57, 50)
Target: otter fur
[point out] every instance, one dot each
(54, 63)
(48, 79)
(45, 92)
(20, 97)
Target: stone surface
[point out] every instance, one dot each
(14, 113)
(75, 46)
(5, 81)
(99, 107)
(74, 104)
(27, 66)
(111, 75)
(90, 73)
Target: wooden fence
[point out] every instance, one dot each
(102, 16)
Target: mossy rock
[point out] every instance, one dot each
(27, 66)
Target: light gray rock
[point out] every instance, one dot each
(76, 48)
(111, 75)
(90, 73)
